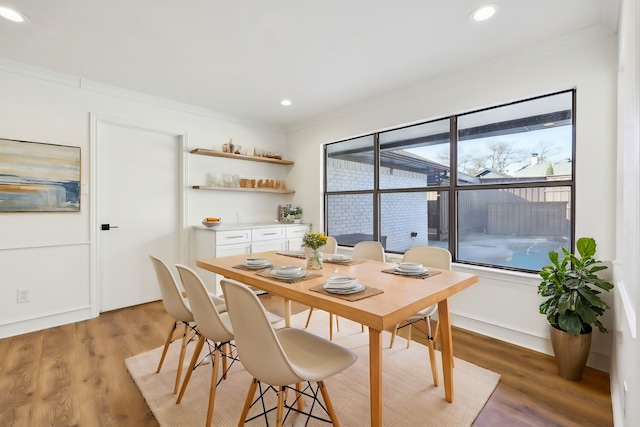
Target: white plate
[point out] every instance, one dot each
(410, 273)
(254, 261)
(257, 266)
(410, 266)
(352, 290)
(340, 282)
(295, 275)
(288, 273)
(341, 279)
(343, 258)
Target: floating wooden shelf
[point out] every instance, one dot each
(205, 152)
(257, 190)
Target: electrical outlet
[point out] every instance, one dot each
(24, 295)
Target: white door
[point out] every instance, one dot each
(138, 211)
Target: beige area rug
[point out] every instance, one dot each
(409, 396)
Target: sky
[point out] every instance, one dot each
(557, 140)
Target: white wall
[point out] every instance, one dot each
(49, 253)
(625, 372)
(508, 307)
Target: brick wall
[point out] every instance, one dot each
(402, 213)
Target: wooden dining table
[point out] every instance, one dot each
(401, 297)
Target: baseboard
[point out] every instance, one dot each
(521, 338)
(617, 401)
(23, 326)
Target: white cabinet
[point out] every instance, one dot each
(237, 240)
(268, 239)
(206, 243)
(294, 235)
(232, 237)
(235, 249)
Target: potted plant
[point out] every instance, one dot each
(291, 213)
(296, 213)
(572, 305)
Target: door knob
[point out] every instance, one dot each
(108, 227)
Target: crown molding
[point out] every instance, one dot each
(175, 105)
(38, 73)
(84, 84)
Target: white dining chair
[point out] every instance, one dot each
(281, 358)
(331, 246)
(177, 306)
(429, 256)
(213, 327)
(369, 250)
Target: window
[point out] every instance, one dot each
(507, 202)
(349, 165)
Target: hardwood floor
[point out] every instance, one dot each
(74, 375)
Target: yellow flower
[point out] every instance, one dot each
(314, 240)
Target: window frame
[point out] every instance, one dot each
(454, 187)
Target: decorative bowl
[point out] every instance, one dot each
(211, 223)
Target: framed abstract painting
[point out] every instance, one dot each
(39, 177)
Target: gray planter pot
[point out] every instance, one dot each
(571, 352)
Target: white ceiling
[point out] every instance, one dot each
(242, 57)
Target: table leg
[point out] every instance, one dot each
(287, 312)
(375, 375)
(447, 348)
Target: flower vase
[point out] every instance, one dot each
(314, 258)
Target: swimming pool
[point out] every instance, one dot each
(527, 254)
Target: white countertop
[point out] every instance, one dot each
(243, 226)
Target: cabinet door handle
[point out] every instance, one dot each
(235, 237)
(269, 234)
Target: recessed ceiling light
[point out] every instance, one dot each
(13, 15)
(484, 13)
(285, 102)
